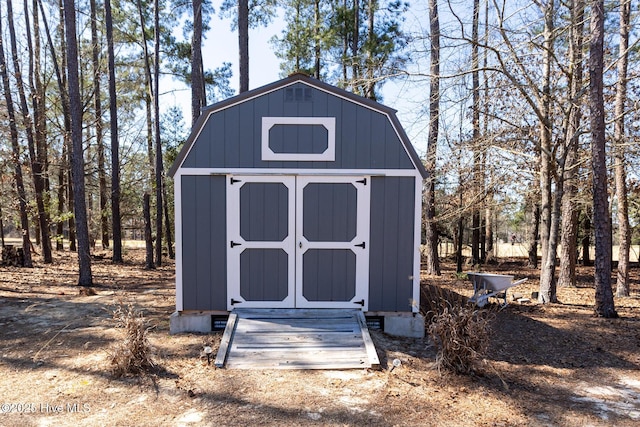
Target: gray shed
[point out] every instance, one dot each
(298, 194)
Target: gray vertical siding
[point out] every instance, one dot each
(204, 249)
(392, 243)
(231, 138)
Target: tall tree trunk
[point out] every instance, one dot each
(355, 47)
(64, 98)
(97, 105)
(345, 46)
(148, 98)
(61, 191)
(36, 167)
(369, 85)
(148, 238)
(40, 120)
(534, 229)
(316, 38)
(475, 93)
(77, 165)
(624, 231)
(198, 97)
(459, 239)
(489, 217)
(568, 239)
(167, 221)
(115, 144)
(431, 239)
(71, 223)
(243, 41)
(586, 237)
(15, 146)
(156, 114)
(1, 228)
(604, 305)
(547, 281)
(71, 200)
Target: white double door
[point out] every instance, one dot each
(298, 241)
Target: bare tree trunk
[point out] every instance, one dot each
(459, 238)
(547, 283)
(148, 238)
(61, 190)
(115, 144)
(316, 44)
(148, 98)
(36, 167)
(156, 111)
(431, 239)
(1, 228)
(22, 198)
(40, 121)
(64, 98)
(369, 85)
(167, 221)
(475, 93)
(604, 305)
(355, 47)
(568, 240)
(77, 165)
(532, 238)
(624, 231)
(489, 217)
(71, 200)
(345, 48)
(586, 237)
(97, 104)
(198, 96)
(243, 41)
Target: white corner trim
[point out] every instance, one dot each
(177, 197)
(415, 304)
(329, 124)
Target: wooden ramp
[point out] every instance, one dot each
(296, 339)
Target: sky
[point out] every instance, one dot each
(221, 45)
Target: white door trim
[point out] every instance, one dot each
(234, 183)
(362, 235)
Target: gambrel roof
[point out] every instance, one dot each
(362, 134)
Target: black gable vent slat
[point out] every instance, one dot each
(288, 95)
(298, 94)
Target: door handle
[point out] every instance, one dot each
(300, 245)
(234, 244)
(361, 245)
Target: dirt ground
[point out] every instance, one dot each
(554, 365)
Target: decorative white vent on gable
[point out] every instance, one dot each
(299, 139)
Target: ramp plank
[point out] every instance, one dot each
(296, 339)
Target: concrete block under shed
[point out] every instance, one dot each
(189, 322)
(403, 325)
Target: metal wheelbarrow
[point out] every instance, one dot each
(486, 285)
